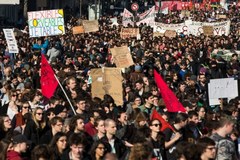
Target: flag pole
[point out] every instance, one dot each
(65, 95)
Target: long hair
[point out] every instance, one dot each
(94, 147)
(2, 127)
(141, 151)
(40, 124)
(4, 144)
(41, 151)
(53, 143)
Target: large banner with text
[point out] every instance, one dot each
(46, 23)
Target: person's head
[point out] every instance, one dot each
(155, 125)
(181, 119)
(206, 147)
(137, 101)
(60, 111)
(20, 143)
(50, 113)
(5, 123)
(81, 104)
(141, 151)
(25, 107)
(141, 119)
(41, 152)
(53, 102)
(110, 126)
(122, 117)
(38, 118)
(226, 125)
(139, 85)
(76, 144)
(148, 97)
(77, 123)
(201, 112)
(58, 142)
(100, 126)
(98, 149)
(56, 124)
(71, 82)
(193, 117)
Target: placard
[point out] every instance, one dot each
(170, 33)
(208, 30)
(78, 30)
(11, 41)
(46, 23)
(129, 32)
(158, 34)
(90, 26)
(122, 57)
(222, 88)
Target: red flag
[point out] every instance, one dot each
(48, 81)
(165, 124)
(169, 98)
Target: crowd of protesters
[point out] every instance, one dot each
(37, 128)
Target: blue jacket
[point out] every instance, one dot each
(43, 47)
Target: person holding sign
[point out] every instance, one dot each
(42, 47)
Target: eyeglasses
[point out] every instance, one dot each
(101, 148)
(39, 113)
(156, 125)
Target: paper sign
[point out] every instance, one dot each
(122, 57)
(158, 34)
(221, 16)
(11, 41)
(78, 30)
(170, 33)
(129, 32)
(222, 88)
(46, 23)
(107, 81)
(208, 30)
(90, 26)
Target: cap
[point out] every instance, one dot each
(20, 139)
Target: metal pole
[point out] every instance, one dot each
(80, 8)
(95, 9)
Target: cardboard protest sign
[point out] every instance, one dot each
(208, 30)
(112, 84)
(122, 57)
(97, 83)
(158, 34)
(185, 13)
(78, 30)
(46, 23)
(107, 81)
(221, 16)
(129, 32)
(11, 41)
(170, 33)
(90, 26)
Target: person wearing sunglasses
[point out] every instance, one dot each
(157, 139)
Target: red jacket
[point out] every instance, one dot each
(13, 155)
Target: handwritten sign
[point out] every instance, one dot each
(90, 26)
(221, 16)
(122, 57)
(46, 23)
(222, 88)
(11, 41)
(107, 81)
(129, 32)
(158, 34)
(208, 30)
(78, 30)
(170, 33)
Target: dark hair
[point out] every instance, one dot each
(54, 120)
(75, 139)
(94, 147)
(146, 95)
(41, 151)
(73, 122)
(203, 143)
(192, 113)
(180, 117)
(4, 144)
(53, 143)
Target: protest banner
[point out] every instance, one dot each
(78, 30)
(97, 83)
(107, 81)
(114, 21)
(11, 41)
(112, 84)
(225, 54)
(46, 23)
(17, 32)
(147, 17)
(162, 27)
(90, 26)
(158, 34)
(208, 30)
(127, 18)
(170, 33)
(122, 56)
(129, 32)
(222, 88)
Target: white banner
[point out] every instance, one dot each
(194, 28)
(147, 17)
(127, 18)
(11, 41)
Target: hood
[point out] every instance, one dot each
(12, 154)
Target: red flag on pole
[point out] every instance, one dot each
(165, 124)
(48, 81)
(169, 98)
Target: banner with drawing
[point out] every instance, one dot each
(46, 23)
(147, 17)
(127, 18)
(194, 28)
